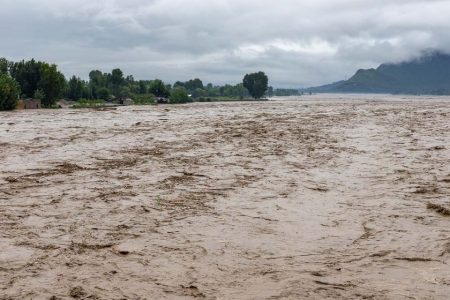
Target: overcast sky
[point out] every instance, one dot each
(298, 43)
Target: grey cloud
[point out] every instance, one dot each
(298, 43)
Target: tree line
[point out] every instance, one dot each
(41, 80)
(30, 79)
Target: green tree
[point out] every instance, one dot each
(33, 75)
(97, 80)
(9, 92)
(158, 88)
(87, 92)
(179, 95)
(39, 94)
(142, 87)
(178, 83)
(129, 79)
(117, 81)
(213, 91)
(199, 93)
(256, 84)
(193, 84)
(52, 84)
(75, 88)
(3, 66)
(103, 93)
(124, 92)
(28, 74)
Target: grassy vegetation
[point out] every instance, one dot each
(223, 99)
(86, 103)
(145, 99)
(53, 106)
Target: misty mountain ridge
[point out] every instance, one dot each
(428, 74)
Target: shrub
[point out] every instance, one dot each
(158, 88)
(86, 103)
(103, 93)
(9, 93)
(145, 99)
(39, 94)
(179, 95)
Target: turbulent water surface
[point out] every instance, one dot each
(327, 197)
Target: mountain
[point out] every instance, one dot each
(429, 74)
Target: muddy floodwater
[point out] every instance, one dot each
(321, 197)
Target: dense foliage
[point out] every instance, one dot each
(144, 99)
(256, 84)
(40, 80)
(3, 66)
(89, 103)
(159, 89)
(75, 88)
(33, 76)
(9, 92)
(197, 90)
(179, 95)
(52, 83)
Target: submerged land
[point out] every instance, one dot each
(326, 197)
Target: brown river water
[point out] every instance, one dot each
(326, 197)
